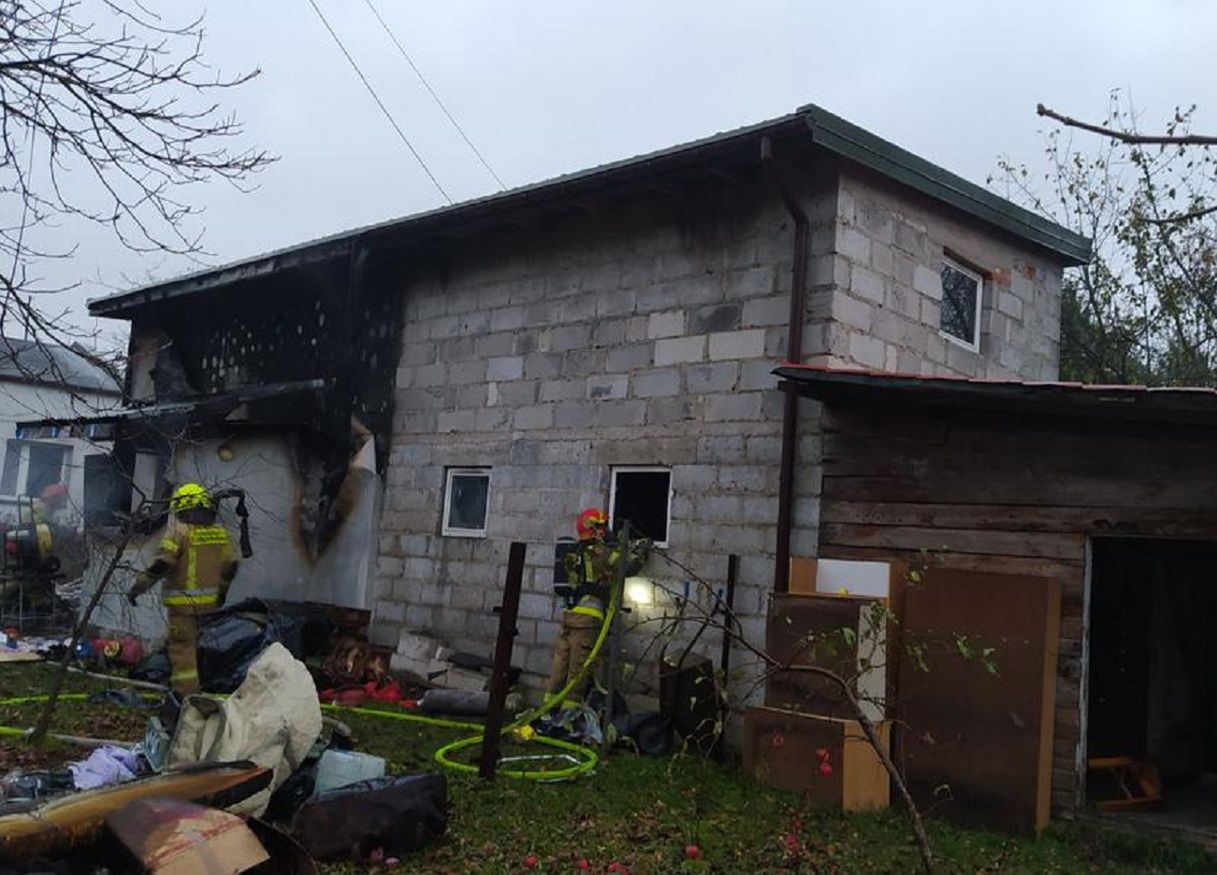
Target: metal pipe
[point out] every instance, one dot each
(794, 353)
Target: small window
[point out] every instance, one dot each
(644, 497)
(466, 500)
(961, 297)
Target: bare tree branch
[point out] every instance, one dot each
(1127, 137)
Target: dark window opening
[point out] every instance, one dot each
(642, 496)
(46, 467)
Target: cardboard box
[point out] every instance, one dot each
(173, 837)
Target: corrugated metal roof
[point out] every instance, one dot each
(1185, 405)
(817, 126)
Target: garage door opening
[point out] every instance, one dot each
(1152, 702)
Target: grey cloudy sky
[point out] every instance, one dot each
(545, 88)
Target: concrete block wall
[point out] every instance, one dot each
(553, 354)
(880, 295)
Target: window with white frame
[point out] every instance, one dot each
(642, 495)
(466, 502)
(959, 318)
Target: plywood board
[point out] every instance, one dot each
(979, 745)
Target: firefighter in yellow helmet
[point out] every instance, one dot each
(591, 567)
(198, 563)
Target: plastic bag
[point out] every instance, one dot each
(231, 638)
(397, 815)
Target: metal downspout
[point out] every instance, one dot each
(794, 353)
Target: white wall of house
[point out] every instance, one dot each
(29, 459)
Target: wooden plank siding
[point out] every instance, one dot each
(1012, 494)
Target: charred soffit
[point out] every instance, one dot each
(333, 323)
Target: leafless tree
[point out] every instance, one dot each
(108, 115)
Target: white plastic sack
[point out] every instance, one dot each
(272, 719)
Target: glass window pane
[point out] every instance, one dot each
(467, 506)
(959, 298)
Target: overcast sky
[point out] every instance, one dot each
(545, 88)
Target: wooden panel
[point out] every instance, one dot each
(986, 738)
(1041, 545)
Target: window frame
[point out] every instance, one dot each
(642, 469)
(449, 531)
(972, 273)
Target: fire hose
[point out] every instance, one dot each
(586, 757)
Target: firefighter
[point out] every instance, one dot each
(198, 563)
(591, 569)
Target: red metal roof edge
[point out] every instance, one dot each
(994, 382)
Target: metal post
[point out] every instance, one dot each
(507, 612)
(724, 661)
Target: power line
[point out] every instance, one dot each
(379, 102)
(434, 96)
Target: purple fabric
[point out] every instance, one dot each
(106, 765)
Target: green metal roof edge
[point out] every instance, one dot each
(857, 144)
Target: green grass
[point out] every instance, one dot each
(643, 812)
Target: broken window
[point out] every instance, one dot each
(960, 313)
(644, 497)
(466, 500)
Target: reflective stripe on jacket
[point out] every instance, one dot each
(201, 562)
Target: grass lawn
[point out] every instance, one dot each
(641, 813)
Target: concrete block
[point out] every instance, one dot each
(543, 365)
(610, 414)
(753, 282)
(716, 318)
(851, 311)
(607, 386)
(516, 393)
(467, 372)
(563, 390)
(853, 244)
(492, 419)
(454, 678)
(746, 344)
(757, 374)
(866, 350)
(455, 420)
(536, 607)
(567, 337)
(505, 368)
(747, 478)
(867, 285)
(763, 312)
(627, 358)
(739, 406)
(669, 324)
(668, 410)
(927, 282)
(534, 417)
(508, 319)
(714, 377)
(659, 382)
(610, 332)
(574, 414)
(676, 350)
(390, 611)
(584, 362)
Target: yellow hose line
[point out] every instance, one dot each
(589, 757)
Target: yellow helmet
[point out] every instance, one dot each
(188, 496)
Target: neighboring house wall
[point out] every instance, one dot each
(884, 312)
(25, 463)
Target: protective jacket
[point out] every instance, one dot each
(197, 562)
